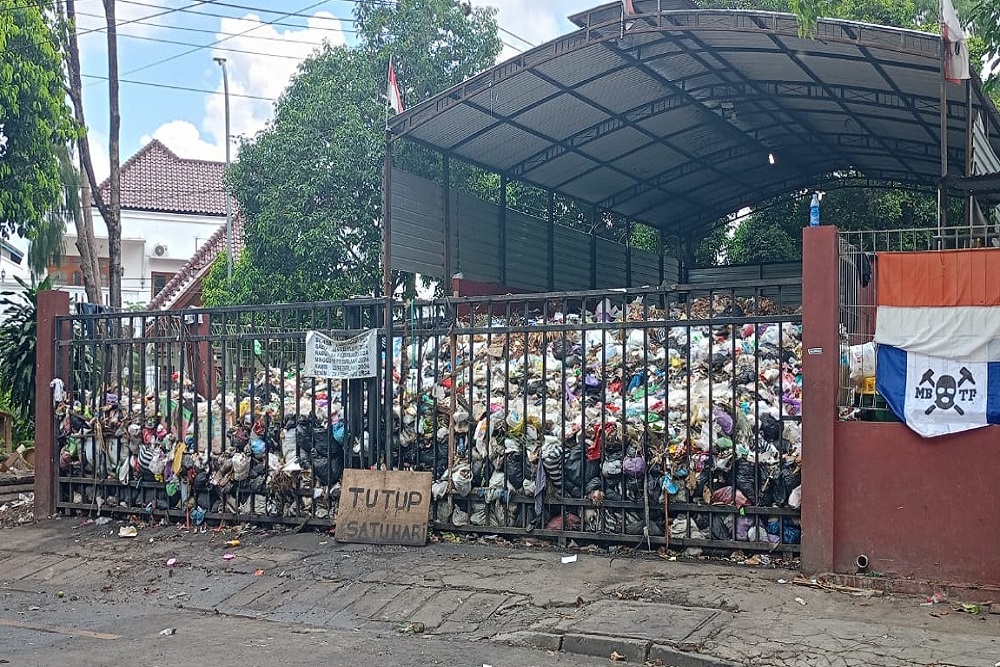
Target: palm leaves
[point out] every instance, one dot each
(18, 343)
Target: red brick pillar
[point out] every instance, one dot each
(50, 304)
(204, 372)
(820, 379)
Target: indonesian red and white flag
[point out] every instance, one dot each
(956, 61)
(629, 8)
(392, 91)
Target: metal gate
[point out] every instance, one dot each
(620, 415)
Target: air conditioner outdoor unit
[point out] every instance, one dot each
(160, 250)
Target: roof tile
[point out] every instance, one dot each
(155, 179)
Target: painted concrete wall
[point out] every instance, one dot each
(177, 234)
(926, 508)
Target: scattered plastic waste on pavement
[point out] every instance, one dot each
(128, 531)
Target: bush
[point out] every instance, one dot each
(18, 342)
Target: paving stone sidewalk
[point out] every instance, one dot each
(641, 607)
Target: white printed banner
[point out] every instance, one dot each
(348, 359)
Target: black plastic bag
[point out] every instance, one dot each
(579, 472)
(513, 467)
(769, 427)
(748, 479)
(327, 470)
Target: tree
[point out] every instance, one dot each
(981, 17)
(985, 21)
(34, 118)
(112, 210)
(82, 214)
(18, 342)
(47, 238)
(309, 186)
(773, 232)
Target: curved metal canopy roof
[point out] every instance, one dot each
(671, 118)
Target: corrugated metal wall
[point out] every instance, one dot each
(724, 275)
(418, 244)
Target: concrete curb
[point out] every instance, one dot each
(671, 656)
(635, 651)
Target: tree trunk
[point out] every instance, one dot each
(82, 216)
(85, 242)
(113, 220)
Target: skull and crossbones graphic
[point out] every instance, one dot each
(945, 390)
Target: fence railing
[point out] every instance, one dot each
(611, 415)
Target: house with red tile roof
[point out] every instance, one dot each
(173, 227)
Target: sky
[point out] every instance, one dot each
(172, 89)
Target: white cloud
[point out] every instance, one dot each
(92, 26)
(184, 139)
(263, 68)
(537, 22)
(98, 142)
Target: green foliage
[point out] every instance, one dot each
(985, 19)
(34, 118)
(773, 232)
(18, 342)
(981, 19)
(645, 238)
(23, 429)
(47, 238)
(310, 185)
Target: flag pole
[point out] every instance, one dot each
(388, 102)
(942, 192)
(388, 364)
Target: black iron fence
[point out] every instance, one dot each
(622, 415)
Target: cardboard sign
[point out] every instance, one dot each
(341, 359)
(384, 507)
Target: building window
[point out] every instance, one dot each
(158, 281)
(77, 279)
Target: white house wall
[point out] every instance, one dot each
(178, 234)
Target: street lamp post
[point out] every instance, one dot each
(229, 208)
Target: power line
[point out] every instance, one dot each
(311, 16)
(166, 10)
(274, 22)
(219, 32)
(301, 13)
(227, 50)
(188, 89)
(218, 41)
(517, 37)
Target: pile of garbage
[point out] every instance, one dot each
(17, 510)
(651, 414)
(600, 421)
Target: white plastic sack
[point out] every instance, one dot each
(241, 466)
(862, 361)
